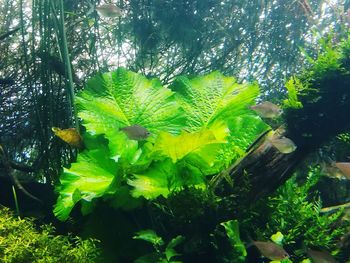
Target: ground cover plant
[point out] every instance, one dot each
(22, 241)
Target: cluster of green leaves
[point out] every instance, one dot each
(162, 253)
(294, 87)
(198, 127)
(232, 232)
(21, 241)
(293, 213)
(298, 216)
(324, 83)
(344, 137)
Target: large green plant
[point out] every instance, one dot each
(198, 126)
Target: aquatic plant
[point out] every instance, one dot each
(296, 211)
(232, 232)
(323, 91)
(22, 241)
(198, 127)
(162, 253)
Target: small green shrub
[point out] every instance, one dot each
(299, 217)
(164, 253)
(21, 241)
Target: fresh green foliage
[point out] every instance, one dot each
(277, 238)
(300, 219)
(232, 231)
(88, 178)
(123, 98)
(198, 127)
(162, 254)
(149, 236)
(325, 98)
(294, 87)
(344, 137)
(21, 241)
(213, 99)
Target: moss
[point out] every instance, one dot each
(325, 98)
(21, 241)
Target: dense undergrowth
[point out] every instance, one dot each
(295, 211)
(21, 241)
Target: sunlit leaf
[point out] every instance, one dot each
(122, 98)
(277, 238)
(90, 177)
(159, 179)
(178, 146)
(213, 97)
(163, 177)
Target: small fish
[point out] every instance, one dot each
(321, 256)
(267, 109)
(283, 144)
(271, 250)
(109, 11)
(136, 132)
(330, 170)
(345, 168)
(70, 136)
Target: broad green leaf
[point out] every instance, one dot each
(163, 177)
(213, 97)
(170, 253)
(245, 129)
(158, 180)
(150, 236)
(123, 148)
(232, 232)
(122, 98)
(90, 177)
(178, 146)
